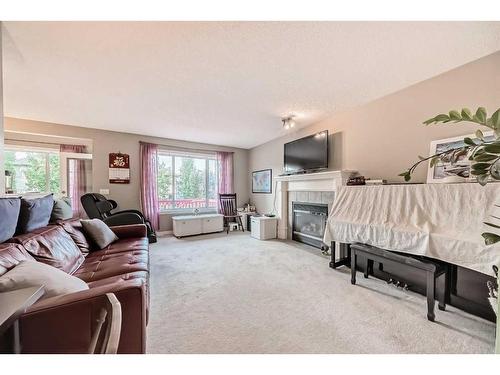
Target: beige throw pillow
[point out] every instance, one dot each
(31, 273)
(99, 232)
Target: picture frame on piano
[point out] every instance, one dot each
(459, 171)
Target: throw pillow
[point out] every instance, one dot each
(99, 232)
(34, 213)
(30, 273)
(62, 210)
(9, 213)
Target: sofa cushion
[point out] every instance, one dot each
(99, 232)
(34, 213)
(98, 267)
(11, 255)
(9, 212)
(61, 210)
(52, 245)
(30, 273)
(75, 230)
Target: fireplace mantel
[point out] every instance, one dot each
(320, 181)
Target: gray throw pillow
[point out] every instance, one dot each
(62, 210)
(34, 213)
(9, 213)
(30, 273)
(99, 232)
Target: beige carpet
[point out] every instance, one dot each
(233, 294)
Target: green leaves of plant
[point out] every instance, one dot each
(490, 238)
(466, 114)
(480, 116)
(485, 157)
(406, 175)
(455, 116)
(493, 148)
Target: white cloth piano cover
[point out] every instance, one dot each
(440, 221)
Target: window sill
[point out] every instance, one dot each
(180, 211)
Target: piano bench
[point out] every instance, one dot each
(381, 256)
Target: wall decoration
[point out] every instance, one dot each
(119, 168)
(262, 181)
(446, 171)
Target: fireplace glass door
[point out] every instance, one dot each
(309, 222)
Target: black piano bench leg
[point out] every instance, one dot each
(353, 268)
(431, 287)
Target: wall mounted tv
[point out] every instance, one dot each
(307, 154)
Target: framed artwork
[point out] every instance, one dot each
(445, 172)
(119, 168)
(262, 181)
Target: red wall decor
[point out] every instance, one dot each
(119, 168)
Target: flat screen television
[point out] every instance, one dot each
(306, 154)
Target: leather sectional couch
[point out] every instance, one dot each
(63, 324)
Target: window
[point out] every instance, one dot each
(186, 181)
(32, 171)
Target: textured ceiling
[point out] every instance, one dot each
(224, 83)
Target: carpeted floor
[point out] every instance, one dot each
(233, 294)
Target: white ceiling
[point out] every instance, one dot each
(225, 83)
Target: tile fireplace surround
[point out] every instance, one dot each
(317, 187)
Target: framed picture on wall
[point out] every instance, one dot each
(262, 181)
(447, 172)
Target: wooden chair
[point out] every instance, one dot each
(109, 315)
(228, 209)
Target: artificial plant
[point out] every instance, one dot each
(483, 154)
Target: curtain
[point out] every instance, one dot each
(76, 178)
(149, 190)
(225, 171)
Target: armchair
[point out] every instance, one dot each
(99, 207)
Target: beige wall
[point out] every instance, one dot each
(105, 142)
(384, 137)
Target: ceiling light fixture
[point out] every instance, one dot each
(288, 122)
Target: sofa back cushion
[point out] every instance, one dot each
(11, 255)
(9, 213)
(53, 246)
(35, 213)
(75, 230)
(62, 210)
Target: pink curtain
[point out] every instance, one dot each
(76, 178)
(225, 167)
(149, 190)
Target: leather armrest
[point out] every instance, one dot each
(63, 324)
(127, 231)
(126, 218)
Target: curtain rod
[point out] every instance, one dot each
(179, 148)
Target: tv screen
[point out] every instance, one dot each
(307, 153)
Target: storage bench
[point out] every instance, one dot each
(190, 225)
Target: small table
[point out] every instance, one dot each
(12, 305)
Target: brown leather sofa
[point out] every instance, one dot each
(63, 324)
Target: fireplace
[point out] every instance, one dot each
(309, 222)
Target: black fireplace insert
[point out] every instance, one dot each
(309, 223)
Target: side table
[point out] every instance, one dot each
(12, 305)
